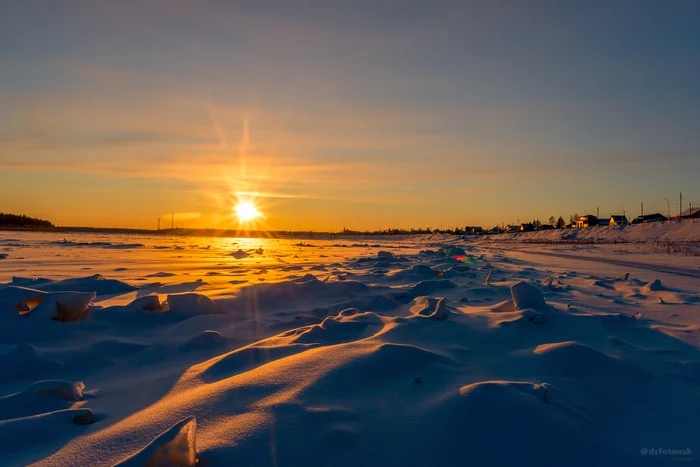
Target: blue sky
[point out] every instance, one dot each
(362, 114)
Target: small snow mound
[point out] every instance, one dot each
(57, 387)
(240, 254)
(176, 446)
(204, 340)
(25, 351)
(386, 363)
(25, 361)
(422, 269)
(308, 278)
(493, 391)
(623, 277)
(457, 251)
(538, 318)
(428, 287)
(191, 304)
(573, 359)
(654, 286)
(385, 255)
(334, 330)
(526, 295)
(162, 274)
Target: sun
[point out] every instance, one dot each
(246, 210)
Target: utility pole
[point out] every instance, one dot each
(597, 212)
(642, 217)
(680, 214)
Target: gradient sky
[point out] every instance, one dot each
(363, 114)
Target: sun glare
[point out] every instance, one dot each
(246, 210)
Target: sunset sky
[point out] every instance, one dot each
(358, 114)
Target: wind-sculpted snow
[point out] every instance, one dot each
(347, 355)
(95, 283)
(175, 447)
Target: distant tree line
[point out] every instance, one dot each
(15, 220)
(22, 221)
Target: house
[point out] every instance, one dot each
(657, 217)
(527, 227)
(474, 230)
(691, 213)
(512, 228)
(587, 221)
(618, 220)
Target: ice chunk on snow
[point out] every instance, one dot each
(526, 295)
(83, 416)
(654, 286)
(147, 303)
(192, 304)
(19, 299)
(63, 306)
(174, 447)
(385, 255)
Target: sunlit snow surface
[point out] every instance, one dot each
(345, 351)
